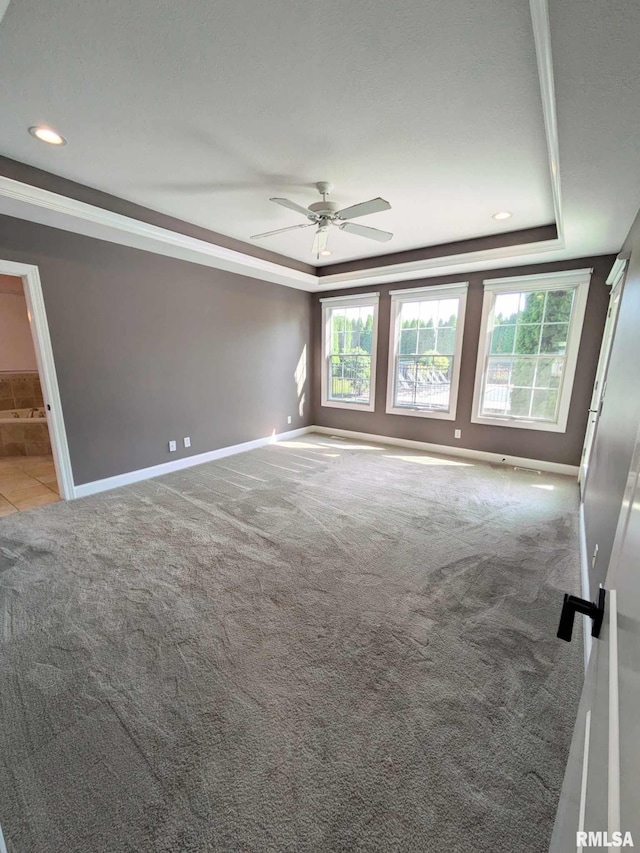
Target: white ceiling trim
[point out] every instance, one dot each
(618, 269)
(542, 39)
(38, 205)
(24, 201)
(445, 265)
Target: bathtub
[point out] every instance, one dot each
(23, 417)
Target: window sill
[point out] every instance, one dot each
(538, 426)
(421, 413)
(356, 407)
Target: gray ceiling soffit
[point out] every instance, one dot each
(54, 183)
(542, 233)
(602, 264)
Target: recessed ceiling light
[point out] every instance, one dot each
(47, 134)
(325, 253)
(503, 214)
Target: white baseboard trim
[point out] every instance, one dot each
(447, 450)
(585, 585)
(93, 488)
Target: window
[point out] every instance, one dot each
(424, 350)
(528, 350)
(350, 334)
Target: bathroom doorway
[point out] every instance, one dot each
(34, 463)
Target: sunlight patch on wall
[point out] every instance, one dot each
(300, 374)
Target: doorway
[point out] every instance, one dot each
(35, 469)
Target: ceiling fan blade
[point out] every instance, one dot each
(366, 231)
(281, 230)
(320, 241)
(293, 206)
(374, 205)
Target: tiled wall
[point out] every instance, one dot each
(22, 391)
(30, 440)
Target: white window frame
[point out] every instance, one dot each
(458, 290)
(349, 302)
(577, 280)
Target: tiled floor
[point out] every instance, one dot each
(26, 482)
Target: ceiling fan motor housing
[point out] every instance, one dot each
(324, 208)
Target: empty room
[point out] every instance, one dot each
(319, 426)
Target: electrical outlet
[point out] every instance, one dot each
(172, 446)
(289, 419)
(457, 433)
(187, 441)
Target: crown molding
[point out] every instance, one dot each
(25, 201)
(542, 40)
(618, 269)
(524, 253)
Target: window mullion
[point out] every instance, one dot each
(498, 371)
(533, 386)
(544, 314)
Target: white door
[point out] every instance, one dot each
(599, 387)
(601, 790)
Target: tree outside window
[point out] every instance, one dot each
(350, 343)
(527, 352)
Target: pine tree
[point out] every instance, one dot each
(542, 326)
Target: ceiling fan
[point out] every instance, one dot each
(323, 214)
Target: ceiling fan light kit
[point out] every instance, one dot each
(323, 214)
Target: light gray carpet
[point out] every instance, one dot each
(318, 646)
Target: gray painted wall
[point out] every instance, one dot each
(553, 447)
(619, 421)
(149, 348)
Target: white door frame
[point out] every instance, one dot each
(616, 280)
(36, 311)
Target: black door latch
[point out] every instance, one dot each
(572, 605)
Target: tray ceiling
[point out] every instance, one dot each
(203, 110)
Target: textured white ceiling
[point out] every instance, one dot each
(203, 109)
(595, 46)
